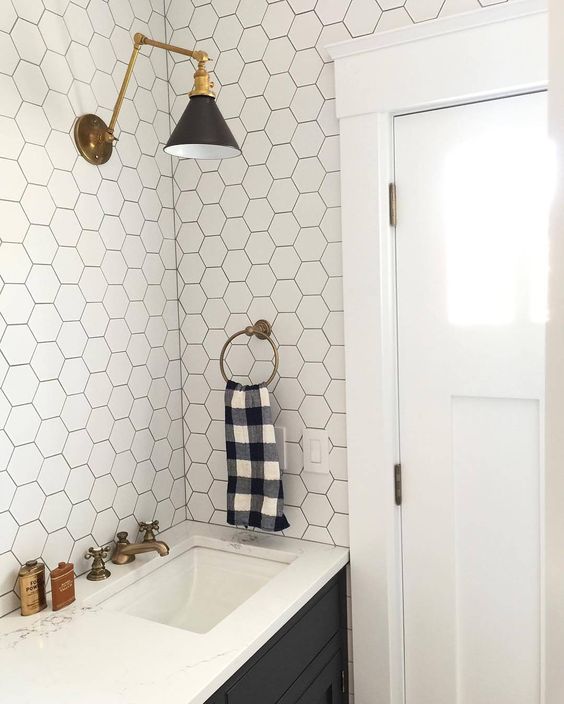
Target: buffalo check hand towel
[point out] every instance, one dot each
(254, 485)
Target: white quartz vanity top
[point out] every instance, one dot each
(87, 654)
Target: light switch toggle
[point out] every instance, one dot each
(316, 450)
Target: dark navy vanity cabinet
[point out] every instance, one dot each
(304, 663)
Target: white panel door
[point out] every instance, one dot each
(472, 187)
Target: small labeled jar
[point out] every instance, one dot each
(31, 580)
(62, 585)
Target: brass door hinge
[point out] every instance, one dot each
(397, 484)
(343, 682)
(393, 204)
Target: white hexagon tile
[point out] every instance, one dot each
(90, 403)
(107, 414)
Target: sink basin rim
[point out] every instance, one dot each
(124, 576)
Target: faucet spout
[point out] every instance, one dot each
(153, 546)
(125, 551)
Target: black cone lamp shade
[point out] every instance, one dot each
(202, 133)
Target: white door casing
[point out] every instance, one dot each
(554, 476)
(449, 61)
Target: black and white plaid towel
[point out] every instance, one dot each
(254, 487)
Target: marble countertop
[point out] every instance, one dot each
(86, 653)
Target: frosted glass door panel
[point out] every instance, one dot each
(473, 185)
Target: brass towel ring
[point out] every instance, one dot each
(261, 329)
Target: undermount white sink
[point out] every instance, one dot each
(198, 589)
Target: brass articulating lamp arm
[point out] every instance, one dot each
(202, 85)
(94, 139)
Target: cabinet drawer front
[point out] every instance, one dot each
(282, 664)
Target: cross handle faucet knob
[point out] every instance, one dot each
(149, 529)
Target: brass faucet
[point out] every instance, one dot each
(124, 551)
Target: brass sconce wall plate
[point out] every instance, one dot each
(91, 137)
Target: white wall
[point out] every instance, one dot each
(90, 406)
(259, 235)
(90, 429)
(555, 381)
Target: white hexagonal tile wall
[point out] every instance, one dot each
(89, 300)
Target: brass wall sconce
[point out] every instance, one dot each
(201, 132)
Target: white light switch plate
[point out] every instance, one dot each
(316, 451)
(280, 434)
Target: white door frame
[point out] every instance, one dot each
(496, 51)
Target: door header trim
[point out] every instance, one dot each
(437, 27)
(406, 68)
